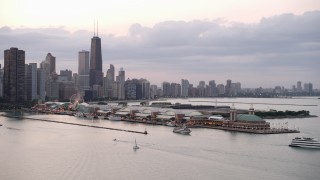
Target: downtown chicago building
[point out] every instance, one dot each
(14, 75)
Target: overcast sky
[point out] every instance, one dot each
(258, 43)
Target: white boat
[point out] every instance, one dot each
(305, 142)
(114, 118)
(78, 114)
(135, 145)
(101, 117)
(171, 124)
(182, 129)
(216, 117)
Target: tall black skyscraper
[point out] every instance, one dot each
(14, 75)
(96, 75)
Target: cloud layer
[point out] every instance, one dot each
(278, 50)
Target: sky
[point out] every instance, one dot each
(262, 43)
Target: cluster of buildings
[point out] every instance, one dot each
(27, 82)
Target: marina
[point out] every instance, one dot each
(65, 151)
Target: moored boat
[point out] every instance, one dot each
(114, 118)
(182, 129)
(171, 124)
(305, 142)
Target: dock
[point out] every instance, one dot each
(78, 124)
(253, 131)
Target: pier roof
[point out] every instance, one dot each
(248, 117)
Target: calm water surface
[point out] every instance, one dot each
(41, 150)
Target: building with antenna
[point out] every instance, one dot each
(96, 74)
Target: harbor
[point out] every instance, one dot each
(76, 152)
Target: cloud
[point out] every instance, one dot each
(285, 46)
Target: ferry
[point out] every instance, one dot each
(305, 142)
(182, 130)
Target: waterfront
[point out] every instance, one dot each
(42, 150)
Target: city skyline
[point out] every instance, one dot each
(276, 48)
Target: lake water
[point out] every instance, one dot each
(42, 150)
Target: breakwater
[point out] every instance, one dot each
(77, 124)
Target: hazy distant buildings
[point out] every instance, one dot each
(145, 89)
(299, 86)
(221, 90)
(184, 88)
(14, 75)
(308, 88)
(66, 73)
(83, 70)
(95, 74)
(166, 89)
(212, 88)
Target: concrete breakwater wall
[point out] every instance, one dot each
(77, 124)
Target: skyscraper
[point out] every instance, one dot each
(14, 75)
(108, 82)
(121, 80)
(96, 74)
(52, 61)
(83, 70)
(31, 81)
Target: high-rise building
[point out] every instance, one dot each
(228, 88)
(212, 88)
(220, 89)
(83, 70)
(184, 88)
(121, 80)
(41, 83)
(108, 82)
(96, 74)
(67, 73)
(52, 61)
(1, 81)
(145, 88)
(31, 81)
(14, 75)
(166, 89)
(175, 90)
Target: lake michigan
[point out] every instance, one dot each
(43, 150)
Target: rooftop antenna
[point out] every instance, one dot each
(97, 28)
(94, 28)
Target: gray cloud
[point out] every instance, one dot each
(278, 50)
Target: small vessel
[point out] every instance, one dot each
(101, 117)
(135, 145)
(305, 142)
(78, 114)
(216, 117)
(114, 118)
(171, 124)
(182, 129)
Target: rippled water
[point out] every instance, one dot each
(42, 150)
